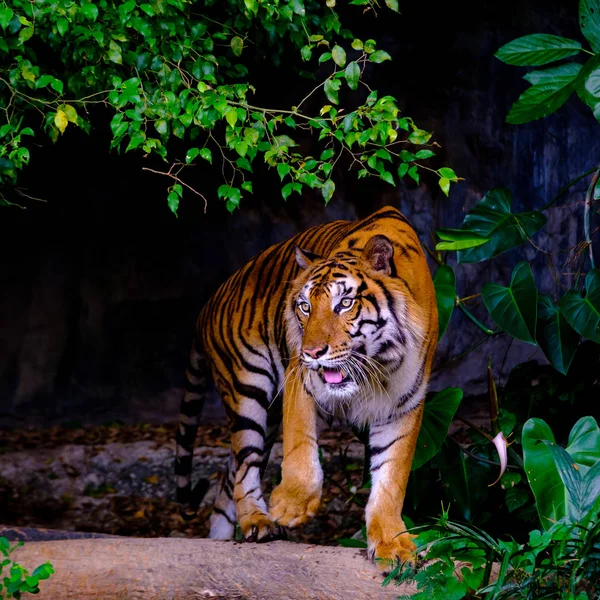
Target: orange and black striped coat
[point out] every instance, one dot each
(338, 321)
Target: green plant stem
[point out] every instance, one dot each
(474, 320)
(566, 187)
(589, 199)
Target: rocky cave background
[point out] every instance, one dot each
(100, 286)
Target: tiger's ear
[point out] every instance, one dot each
(304, 258)
(379, 252)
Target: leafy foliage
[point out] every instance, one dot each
(174, 70)
(551, 87)
(18, 581)
(562, 563)
(565, 482)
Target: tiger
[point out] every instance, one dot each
(338, 322)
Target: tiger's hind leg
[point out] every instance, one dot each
(224, 517)
(252, 435)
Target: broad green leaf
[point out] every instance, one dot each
(537, 49)
(459, 239)
(231, 117)
(339, 56)
(419, 137)
(114, 53)
(545, 463)
(402, 170)
(306, 53)
(357, 44)
(282, 170)
(437, 416)
(514, 308)
(237, 45)
(563, 74)
(492, 218)
(413, 173)
(392, 4)
(90, 11)
(241, 148)
(422, 154)
(589, 21)
(555, 336)
(162, 126)
(352, 75)
(25, 34)
(191, 155)
(584, 443)
(173, 202)
(379, 56)
(70, 113)
(544, 97)
(444, 282)
(327, 190)
(444, 183)
(448, 173)
(6, 14)
(331, 88)
(60, 120)
(583, 314)
(206, 154)
(62, 25)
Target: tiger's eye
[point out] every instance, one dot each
(347, 302)
(304, 307)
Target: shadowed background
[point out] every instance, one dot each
(100, 286)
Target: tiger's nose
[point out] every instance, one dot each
(315, 352)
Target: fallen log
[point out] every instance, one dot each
(176, 568)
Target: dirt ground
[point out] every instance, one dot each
(118, 479)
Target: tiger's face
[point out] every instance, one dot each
(344, 319)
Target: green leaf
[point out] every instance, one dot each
(379, 56)
(231, 117)
(352, 75)
(327, 190)
(583, 314)
(357, 44)
(492, 218)
(147, 8)
(589, 21)
(402, 170)
(546, 97)
(437, 416)
(306, 53)
(247, 186)
(25, 34)
(237, 45)
(537, 49)
(444, 282)
(414, 174)
(421, 154)
(6, 14)
(114, 53)
(459, 239)
(162, 126)
(351, 543)
(191, 155)
(241, 148)
(445, 185)
(557, 478)
(206, 154)
(60, 120)
(173, 202)
(324, 57)
(419, 137)
(392, 4)
(555, 336)
(514, 308)
(339, 56)
(448, 173)
(62, 25)
(369, 46)
(331, 90)
(90, 11)
(288, 188)
(136, 140)
(282, 170)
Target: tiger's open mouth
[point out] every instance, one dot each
(334, 376)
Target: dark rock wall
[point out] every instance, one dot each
(100, 286)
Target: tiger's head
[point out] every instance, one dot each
(347, 321)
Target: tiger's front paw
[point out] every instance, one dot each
(293, 504)
(387, 552)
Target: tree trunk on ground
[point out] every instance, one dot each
(176, 568)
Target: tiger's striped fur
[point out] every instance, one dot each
(342, 319)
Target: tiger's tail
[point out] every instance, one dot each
(195, 390)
